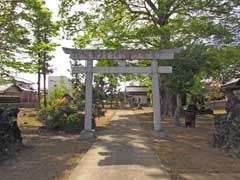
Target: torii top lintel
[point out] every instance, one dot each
(120, 54)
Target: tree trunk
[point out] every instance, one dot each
(168, 100)
(102, 104)
(44, 81)
(177, 113)
(76, 83)
(103, 95)
(168, 103)
(39, 80)
(111, 99)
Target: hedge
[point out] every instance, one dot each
(9, 99)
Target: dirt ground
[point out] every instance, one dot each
(189, 150)
(46, 155)
(52, 156)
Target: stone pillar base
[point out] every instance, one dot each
(88, 134)
(159, 134)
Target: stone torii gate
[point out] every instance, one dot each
(121, 55)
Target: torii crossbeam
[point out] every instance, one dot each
(89, 55)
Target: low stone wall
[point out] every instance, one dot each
(19, 105)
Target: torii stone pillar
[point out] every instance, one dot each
(156, 96)
(89, 95)
(121, 55)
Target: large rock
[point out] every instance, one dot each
(220, 135)
(227, 127)
(10, 134)
(233, 121)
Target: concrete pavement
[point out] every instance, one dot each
(122, 152)
(212, 176)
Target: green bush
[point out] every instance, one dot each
(62, 112)
(63, 115)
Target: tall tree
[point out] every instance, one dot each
(186, 66)
(43, 29)
(154, 24)
(20, 21)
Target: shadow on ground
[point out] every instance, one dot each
(189, 150)
(124, 149)
(124, 143)
(45, 156)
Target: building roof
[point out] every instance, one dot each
(136, 89)
(19, 79)
(5, 87)
(26, 89)
(233, 84)
(10, 79)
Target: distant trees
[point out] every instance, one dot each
(99, 91)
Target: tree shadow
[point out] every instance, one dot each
(45, 155)
(125, 143)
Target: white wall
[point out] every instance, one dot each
(55, 80)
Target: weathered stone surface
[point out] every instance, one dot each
(227, 128)
(112, 70)
(120, 54)
(159, 134)
(233, 121)
(89, 95)
(156, 97)
(10, 134)
(88, 134)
